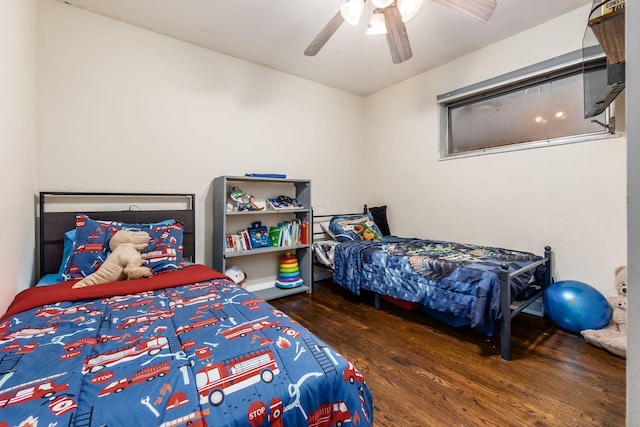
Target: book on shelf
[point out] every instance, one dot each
(237, 242)
(275, 233)
(289, 233)
(286, 233)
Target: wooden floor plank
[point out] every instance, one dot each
(425, 373)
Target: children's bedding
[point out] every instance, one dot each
(324, 252)
(184, 347)
(458, 280)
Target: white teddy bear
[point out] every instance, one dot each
(613, 337)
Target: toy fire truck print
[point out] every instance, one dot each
(100, 361)
(216, 380)
(122, 298)
(162, 254)
(195, 419)
(247, 328)
(27, 333)
(57, 311)
(89, 247)
(44, 388)
(196, 325)
(352, 374)
(253, 303)
(182, 302)
(140, 303)
(144, 318)
(140, 376)
(330, 414)
(91, 341)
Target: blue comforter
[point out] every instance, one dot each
(188, 347)
(458, 280)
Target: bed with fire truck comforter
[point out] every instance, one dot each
(184, 347)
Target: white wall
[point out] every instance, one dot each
(17, 145)
(125, 109)
(106, 89)
(570, 197)
(633, 157)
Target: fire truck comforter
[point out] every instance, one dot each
(184, 347)
(458, 280)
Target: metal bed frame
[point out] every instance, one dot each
(508, 312)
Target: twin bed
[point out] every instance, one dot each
(459, 284)
(185, 347)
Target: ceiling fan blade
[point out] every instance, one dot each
(397, 37)
(324, 35)
(480, 10)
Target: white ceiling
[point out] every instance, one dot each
(274, 33)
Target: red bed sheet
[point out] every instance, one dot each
(35, 297)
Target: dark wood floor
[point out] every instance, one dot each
(424, 373)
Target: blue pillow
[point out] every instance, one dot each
(69, 237)
(354, 227)
(49, 279)
(91, 245)
(165, 247)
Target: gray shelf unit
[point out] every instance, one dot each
(269, 187)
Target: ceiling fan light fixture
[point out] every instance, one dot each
(409, 8)
(352, 10)
(381, 4)
(377, 24)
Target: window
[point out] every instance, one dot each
(538, 106)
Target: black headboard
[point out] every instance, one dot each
(53, 224)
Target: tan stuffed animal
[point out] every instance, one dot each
(613, 337)
(124, 261)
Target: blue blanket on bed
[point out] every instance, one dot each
(178, 349)
(458, 280)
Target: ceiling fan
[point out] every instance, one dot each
(389, 17)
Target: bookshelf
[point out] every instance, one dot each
(261, 264)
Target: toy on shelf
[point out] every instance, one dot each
(283, 202)
(289, 276)
(244, 201)
(258, 235)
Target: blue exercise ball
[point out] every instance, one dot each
(576, 306)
